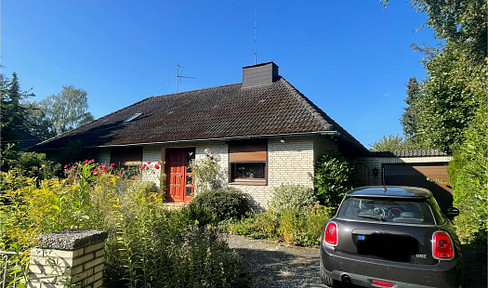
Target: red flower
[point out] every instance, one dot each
(156, 166)
(105, 169)
(148, 162)
(143, 166)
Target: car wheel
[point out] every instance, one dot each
(324, 278)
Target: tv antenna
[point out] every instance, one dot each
(179, 77)
(255, 49)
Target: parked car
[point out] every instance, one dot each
(391, 237)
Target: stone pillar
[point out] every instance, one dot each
(70, 258)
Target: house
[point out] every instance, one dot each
(262, 132)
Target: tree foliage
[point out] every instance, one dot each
(66, 110)
(468, 173)
(13, 111)
(333, 176)
(389, 143)
(409, 117)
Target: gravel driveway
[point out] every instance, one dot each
(273, 265)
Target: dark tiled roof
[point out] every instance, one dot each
(214, 113)
(410, 153)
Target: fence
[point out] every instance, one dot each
(13, 270)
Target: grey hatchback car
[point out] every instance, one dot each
(391, 237)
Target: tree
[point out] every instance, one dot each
(13, 112)
(66, 110)
(390, 143)
(39, 125)
(409, 117)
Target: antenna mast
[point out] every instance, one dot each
(179, 77)
(255, 50)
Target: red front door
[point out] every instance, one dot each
(179, 181)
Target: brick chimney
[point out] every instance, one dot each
(260, 74)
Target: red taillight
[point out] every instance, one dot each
(442, 246)
(330, 234)
(382, 283)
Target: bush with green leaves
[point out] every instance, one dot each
(469, 177)
(295, 217)
(291, 196)
(213, 206)
(333, 177)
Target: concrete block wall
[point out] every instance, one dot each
(72, 258)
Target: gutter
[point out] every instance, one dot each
(323, 133)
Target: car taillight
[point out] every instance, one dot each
(330, 234)
(442, 247)
(382, 283)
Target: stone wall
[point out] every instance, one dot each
(68, 258)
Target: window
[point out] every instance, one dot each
(383, 210)
(248, 162)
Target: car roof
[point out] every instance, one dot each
(390, 192)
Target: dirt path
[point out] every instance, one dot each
(274, 265)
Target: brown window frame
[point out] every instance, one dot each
(248, 153)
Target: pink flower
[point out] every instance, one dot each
(156, 166)
(148, 162)
(112, 164)
(95, 171)
(92, 160)
(85, 162)
(143, 166)
(105, 169)
(159, 162)
(66, 166)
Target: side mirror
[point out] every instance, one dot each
(452, 212)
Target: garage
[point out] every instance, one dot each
(418, 175)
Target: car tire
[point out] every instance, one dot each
(324, 278)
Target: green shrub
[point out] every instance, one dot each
(299, 226)
(202, 259)
(214, 206)
(469, 177)
(287, 197)
(332, 178)
(260, 226)
(303, 227)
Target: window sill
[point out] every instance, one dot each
(248, 183)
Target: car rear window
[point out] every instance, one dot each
(401, 211)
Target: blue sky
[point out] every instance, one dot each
(351, 58)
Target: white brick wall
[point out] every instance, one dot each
(152, 154)
(289, 162)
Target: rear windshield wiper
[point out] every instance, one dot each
(371, 216)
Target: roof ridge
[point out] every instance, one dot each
(196, 90)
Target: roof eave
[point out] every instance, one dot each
(230, 138)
